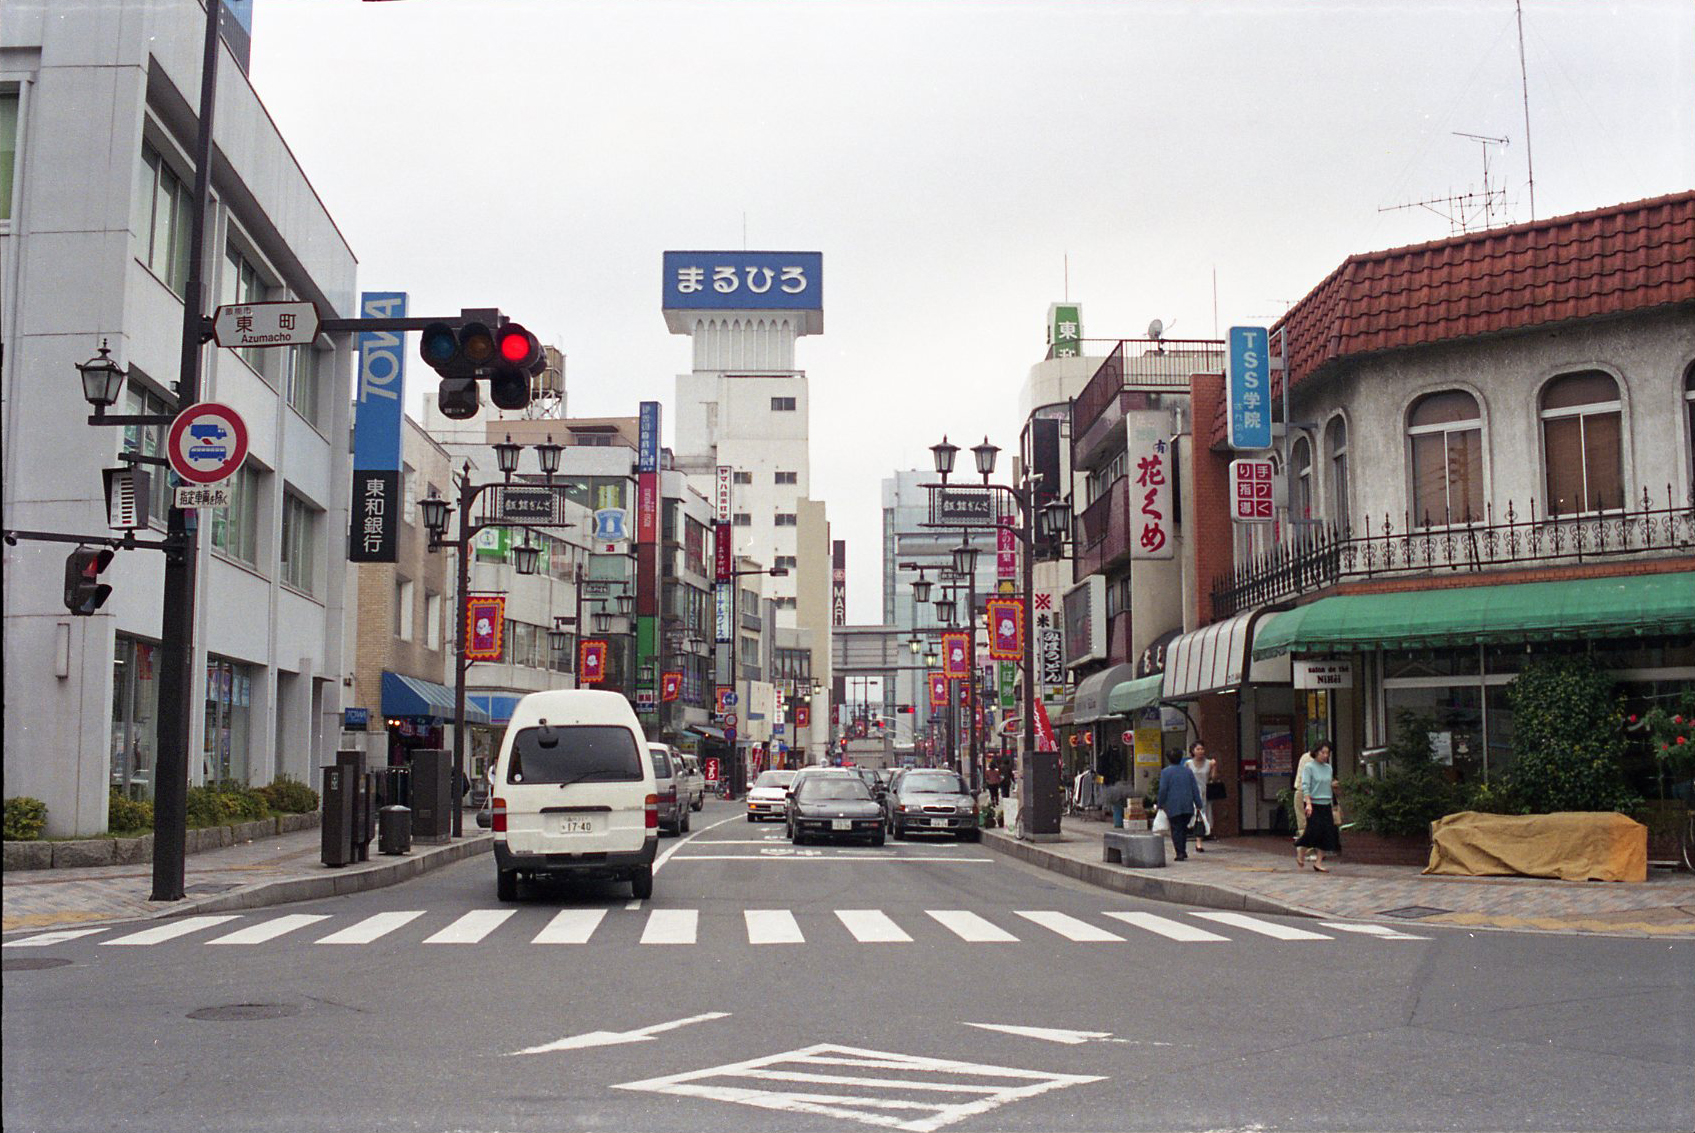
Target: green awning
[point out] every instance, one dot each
(1130, 696)
(1624, 606)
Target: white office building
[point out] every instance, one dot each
(97, 121)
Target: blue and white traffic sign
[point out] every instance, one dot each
(207, 443)
(1248, 386)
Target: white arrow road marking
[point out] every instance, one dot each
(1061, 1035)
(613, 1038)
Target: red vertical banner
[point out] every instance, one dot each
(485, 627)
(803, 715)
(938, 690)
(671, 686)
(721, 542)
(956, 655)
(1006, 629)
(591, 661)
(1006, 550)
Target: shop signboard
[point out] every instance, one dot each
(963, 505)
(744, 281)
(725, 497)
(1149, 741)
(838, 582)
(1085, 621)
(724, 627)
(1151, 531)
(1276, 745)
(1252, 490)
(1065, 330)
(1324, 674)
(1248, 386)
(378, 411)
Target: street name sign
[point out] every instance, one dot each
(244, 325)
(964, 506)
(207, 443)
(527, 503)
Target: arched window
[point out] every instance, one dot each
(1336, 444)
(1300, 507)
(1689, 412)
(1445, 442)
(1580, 443)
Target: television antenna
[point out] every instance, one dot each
(1473, 210)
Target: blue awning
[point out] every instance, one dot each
(413, 696)
(498, 706)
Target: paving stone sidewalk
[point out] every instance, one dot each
(1260, 872)
(265, 871)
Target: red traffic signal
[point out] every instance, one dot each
(84, 592)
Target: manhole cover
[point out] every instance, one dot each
(241, 1011)
(32, 963)
(1413, 912)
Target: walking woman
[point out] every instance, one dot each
(1202, 768)
(1318, 789)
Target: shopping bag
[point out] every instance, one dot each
(1162, 824)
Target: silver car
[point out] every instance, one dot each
(673, 807)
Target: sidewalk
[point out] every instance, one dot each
(268, 871)
(1259, 875)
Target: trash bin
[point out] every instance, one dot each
(394, 830)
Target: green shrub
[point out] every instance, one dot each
(223, 803)
(125, 815)
(1411, 793)
(26, 818)
(1568, 739)
(290, 796)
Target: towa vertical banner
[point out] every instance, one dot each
(485, 627)
(838, 582)
(378, 410)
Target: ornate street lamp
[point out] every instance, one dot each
(626, 605)
(506, 455)
(985, 454)
(435, 511)
(548, 453)
(602, 622)
(1056, 520)
(943, 455)
(525, 557)
(102, 380)
(921, 590)
(945, 612)
(965, 561)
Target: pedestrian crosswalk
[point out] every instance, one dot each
(686, 926)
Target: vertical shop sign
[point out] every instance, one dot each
(1248, 387)
(378, 412)
(1151, 528)
(838, 582)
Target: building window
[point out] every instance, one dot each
(135, 703)
(403, 609)
(229, 706)
(8, 148)
(1336, 442)
(741, 519)
(787, 562)
(788, 478)
(150, 441)
(305, 380)
(1580, 443)
(300, 543)
(782, 405)
(786, 519)
(785, 603)
(742, 477)
(242, 283)
(432, 620)
(165, 206)
(409, 493)
(1445, 436)
(235, 529)
(1300, 502)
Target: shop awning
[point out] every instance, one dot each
(1625, 606)
(498, 706)
(1092, 691)
(1133, 696)
(707, 731)
(1214, 658)
(414, 696)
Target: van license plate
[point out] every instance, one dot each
(841, 824)
(571, 825)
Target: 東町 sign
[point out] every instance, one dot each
(1324, 674)
(243, 325)
(1248, 386)
(207, 443)
(744, 281)
(1251, 491)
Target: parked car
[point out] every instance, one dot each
(769, 795)
(932, 801)
(572, 793)
(692, 783)
(834, 806)
(673, 805)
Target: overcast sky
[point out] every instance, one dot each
(946, 159)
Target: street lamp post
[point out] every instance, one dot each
(736, 771)
(965, 563)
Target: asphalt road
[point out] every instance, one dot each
(835, 988)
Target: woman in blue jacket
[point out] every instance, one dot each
(1317, 788)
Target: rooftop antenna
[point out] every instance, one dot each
(1524, 87)
(1471, 210)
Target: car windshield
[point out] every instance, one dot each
(774, 779)
(933, 783)
(833, 790)
(603, 753)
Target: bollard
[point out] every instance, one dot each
(394, 830)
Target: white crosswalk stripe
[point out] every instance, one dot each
(46, 938)
(373, 927)
(970, 927)
(872, 926)
(1069, 927)
(1264, 928)
(1166, 927)
(671, 926)
(472, 927)
(270, 930)
(570, 926)
(1381, 932)
(772, 926)
(171, 931)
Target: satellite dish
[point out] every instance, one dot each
(1155, 329)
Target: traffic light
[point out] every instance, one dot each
(84, 592)
(518, 358)
(509, 357)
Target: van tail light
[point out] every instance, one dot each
(497, 815)
(653, 812)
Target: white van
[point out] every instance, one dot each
(574, 793)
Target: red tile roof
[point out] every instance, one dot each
(1627, 257)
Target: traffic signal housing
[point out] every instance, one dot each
(518, 359)
(84, 592)
(508, 356)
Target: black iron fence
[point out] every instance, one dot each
(1322, 556)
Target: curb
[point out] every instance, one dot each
(339, 882)
(1206, 895)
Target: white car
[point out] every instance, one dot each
(692, 783)
(769, 796)
(574, 793)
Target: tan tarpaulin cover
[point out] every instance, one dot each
(1571, 845)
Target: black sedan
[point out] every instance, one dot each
(931, 801)
(834, 807)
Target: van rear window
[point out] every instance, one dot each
(584, 753)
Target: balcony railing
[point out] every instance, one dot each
(1101, 541)
(1143, 363)
(1325, 556)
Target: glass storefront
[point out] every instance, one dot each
(229, 705)
(135, 701)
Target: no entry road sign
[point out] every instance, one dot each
(207, 443)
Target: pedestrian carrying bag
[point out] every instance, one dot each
(1162, 823)
(1215, 791)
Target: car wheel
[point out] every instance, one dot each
(972, 835)
(683, 823)
(699, 804)
(751, 818)
(506, 884)
(641, 884)
(899, 831)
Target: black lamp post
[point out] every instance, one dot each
(965, 565)
(102, 380)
